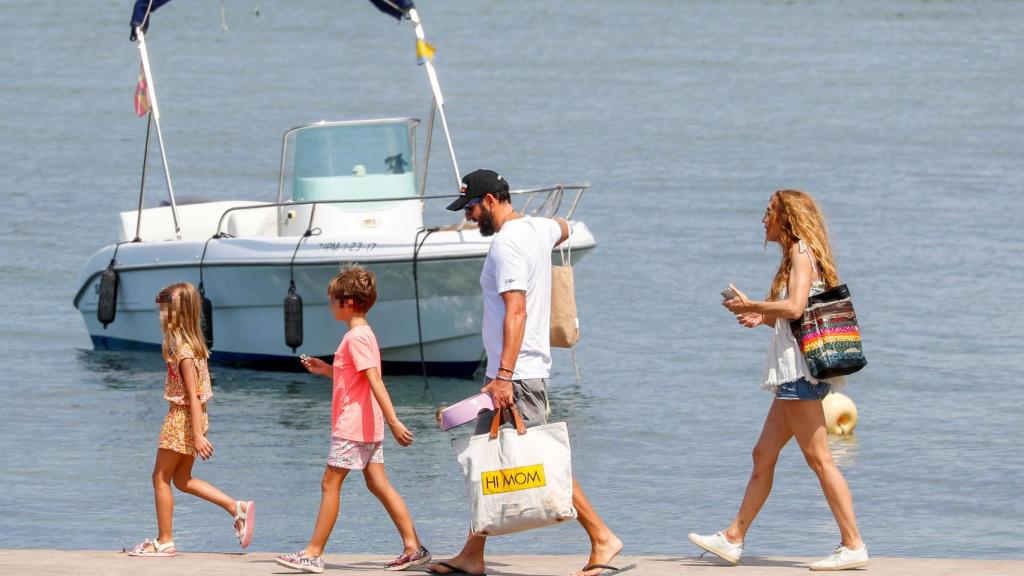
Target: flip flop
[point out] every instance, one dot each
(607, 570)
(453, 571)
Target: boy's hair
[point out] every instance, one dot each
(357, 284)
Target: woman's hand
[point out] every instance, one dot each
(402, 434)
(203, 447)
(740, 304)
(316, 366)
(750, 319)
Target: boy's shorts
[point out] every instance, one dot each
(354, 455)
(530, 396)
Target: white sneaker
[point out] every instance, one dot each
(718, 545)
(842, 558)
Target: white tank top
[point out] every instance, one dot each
(784, 362)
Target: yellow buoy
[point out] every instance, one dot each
(840, 414)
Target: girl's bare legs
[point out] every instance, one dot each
(378, 484)
(775, 434)
(163, 471)
(184, 481)
(330, 502)
(807, 420)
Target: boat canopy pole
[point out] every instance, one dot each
(438, 99)
(426, 155)
(142, 186)
(155, 114)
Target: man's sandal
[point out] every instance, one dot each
(606, 569)
(246, 513)
(142, 550)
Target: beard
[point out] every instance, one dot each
(485, 222)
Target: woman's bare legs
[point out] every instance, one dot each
(330, 502)
(807, 420)
(774, 436)
(379, 485)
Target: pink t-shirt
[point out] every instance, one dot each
(355, 414)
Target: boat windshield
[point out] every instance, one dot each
(354, 161)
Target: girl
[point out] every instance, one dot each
(186, 388)
(794, 221)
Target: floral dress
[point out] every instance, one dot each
(176, 433)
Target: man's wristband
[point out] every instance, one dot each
(502, 378)
(503, 369)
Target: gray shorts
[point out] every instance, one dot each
(530, 396)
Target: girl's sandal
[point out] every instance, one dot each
(153, 549)
(245, 512)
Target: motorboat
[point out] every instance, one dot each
(348, 192)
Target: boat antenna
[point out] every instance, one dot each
(140, 39)
(142, 185)
(425, 54)
(426, 154)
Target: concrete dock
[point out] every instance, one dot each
(107, 563)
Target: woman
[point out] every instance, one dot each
(794, 221)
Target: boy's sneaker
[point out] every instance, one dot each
(403, 561)
(843, 558)
(299, 561)
(718, 545)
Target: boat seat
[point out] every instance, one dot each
(254, 223)
(197, 221)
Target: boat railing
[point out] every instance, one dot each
(554, 200)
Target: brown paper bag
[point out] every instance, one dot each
(565, 324)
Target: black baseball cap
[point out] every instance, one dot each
(478, 184)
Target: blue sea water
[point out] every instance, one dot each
(905, 119)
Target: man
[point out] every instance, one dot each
(516, 283)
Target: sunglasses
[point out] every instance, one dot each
(471, 203)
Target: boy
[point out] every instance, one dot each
(356, 437)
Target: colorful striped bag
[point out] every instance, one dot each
(829, 336)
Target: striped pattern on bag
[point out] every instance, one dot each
(829, 336)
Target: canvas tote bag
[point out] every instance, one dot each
(565, 322)
(517, 479)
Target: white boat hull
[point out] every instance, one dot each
(247, 280)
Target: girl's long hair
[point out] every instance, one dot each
(184, 319)
(800, 218)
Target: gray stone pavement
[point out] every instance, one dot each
(107, 563)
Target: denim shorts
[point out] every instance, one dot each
(802, 389)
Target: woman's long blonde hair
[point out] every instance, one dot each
(800, 218)
(184, 319)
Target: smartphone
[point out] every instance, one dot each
(728, 294)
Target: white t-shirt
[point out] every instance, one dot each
(520, 259)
